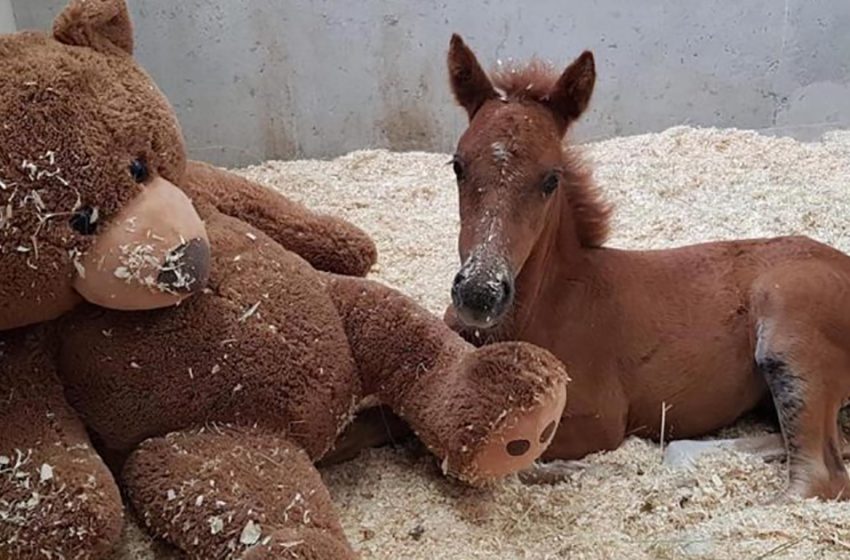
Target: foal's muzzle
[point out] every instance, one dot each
(483, 291)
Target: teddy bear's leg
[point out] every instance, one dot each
(328, 243)
(226, 492)
(485, 412)
(57, 498)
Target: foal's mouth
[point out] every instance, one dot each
(483, 291)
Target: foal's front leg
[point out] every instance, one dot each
(591, 424)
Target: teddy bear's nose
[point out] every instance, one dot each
(186, 267)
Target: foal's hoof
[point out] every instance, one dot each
(552, 473)
(828, 489)
(836, 489)
(518, 441)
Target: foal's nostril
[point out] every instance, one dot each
(507, 289)
(458, 281)
(186, 267)
(457, 289)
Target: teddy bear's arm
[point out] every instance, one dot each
(56, 495)
(328, 243)
(485, 412)
(239, 490)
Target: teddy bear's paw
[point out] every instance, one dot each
(520, 440)
(58, 498)
(300, 544)
(522, 390)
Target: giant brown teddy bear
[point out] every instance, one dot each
(211, 412)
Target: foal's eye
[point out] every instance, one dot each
(550, 183)
(139, 170)
(458, 168)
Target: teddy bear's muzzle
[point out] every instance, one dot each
(154, 253)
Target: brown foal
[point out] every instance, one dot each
(706, 331)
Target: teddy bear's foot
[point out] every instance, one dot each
(225, 492)
(57, 498)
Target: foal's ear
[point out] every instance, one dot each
(570, 95)
(470, 83)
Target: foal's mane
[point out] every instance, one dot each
(532, 81)
(590, 211)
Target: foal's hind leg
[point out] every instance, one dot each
(807, 375)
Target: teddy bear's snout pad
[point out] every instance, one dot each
(153, 254)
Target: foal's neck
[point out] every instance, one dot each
(556, 259)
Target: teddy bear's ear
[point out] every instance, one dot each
(103, 25)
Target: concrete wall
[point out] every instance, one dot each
(7, 17)
(258, 79)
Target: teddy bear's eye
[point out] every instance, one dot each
(139, 170)
(84, 221)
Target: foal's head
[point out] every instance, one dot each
(516, 181)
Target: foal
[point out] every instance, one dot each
(706, 331)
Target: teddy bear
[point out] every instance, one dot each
(195, 342)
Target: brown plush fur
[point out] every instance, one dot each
(705, 332)
(276, 488)
(88, 93)
(326, 243)
(213, 412)
(55, 492)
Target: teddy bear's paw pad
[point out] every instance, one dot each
(518, 440)
(300, 544)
